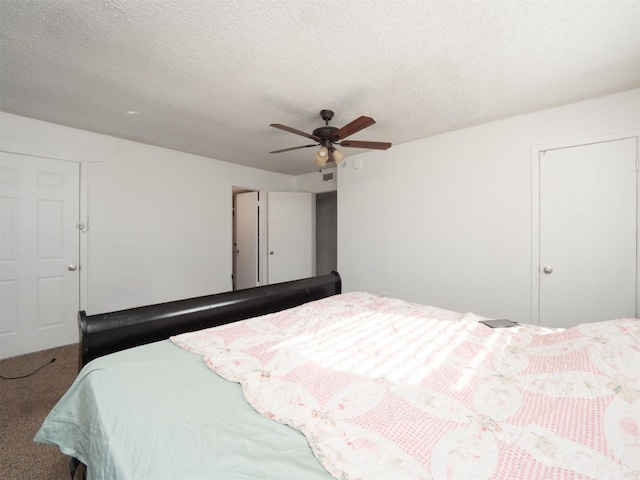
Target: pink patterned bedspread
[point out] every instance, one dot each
(386, 389)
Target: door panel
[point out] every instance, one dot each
(247, 234)
(290, 230)
(39, 295)
(588, 233)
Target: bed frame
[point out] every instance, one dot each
(111, 332)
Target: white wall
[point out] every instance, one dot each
(312, 182)
(446, 220)
(160, 222)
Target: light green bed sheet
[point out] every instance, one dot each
(157, 412)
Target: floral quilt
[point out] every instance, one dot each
(387, 389)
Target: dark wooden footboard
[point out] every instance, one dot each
(110, 332)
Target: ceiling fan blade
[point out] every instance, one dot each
(297, 132)
(358, 144)
(353, 127)
(293, 148)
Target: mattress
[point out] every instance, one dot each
(360, 386)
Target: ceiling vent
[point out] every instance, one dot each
(328, 177)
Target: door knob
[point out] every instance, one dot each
(72, 267)
(547, 270)
(271, 252)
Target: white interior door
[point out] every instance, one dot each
(588, 217)
(291, 236)
(247, 219)
(39, 247)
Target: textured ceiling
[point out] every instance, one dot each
(208, 77)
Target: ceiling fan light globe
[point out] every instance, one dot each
(322, 156)
(338, 156)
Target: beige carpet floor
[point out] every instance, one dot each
(24, 403)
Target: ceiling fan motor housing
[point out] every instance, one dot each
(324, 132)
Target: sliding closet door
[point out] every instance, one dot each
(588, 217)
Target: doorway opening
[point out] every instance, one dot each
(326, 232)
(247, 238)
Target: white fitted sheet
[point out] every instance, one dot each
(157, 412)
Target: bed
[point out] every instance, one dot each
(353, 386)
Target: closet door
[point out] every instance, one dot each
(588, 229)
(290, 236)
(39, 253)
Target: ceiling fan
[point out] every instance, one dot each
(328, 136)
